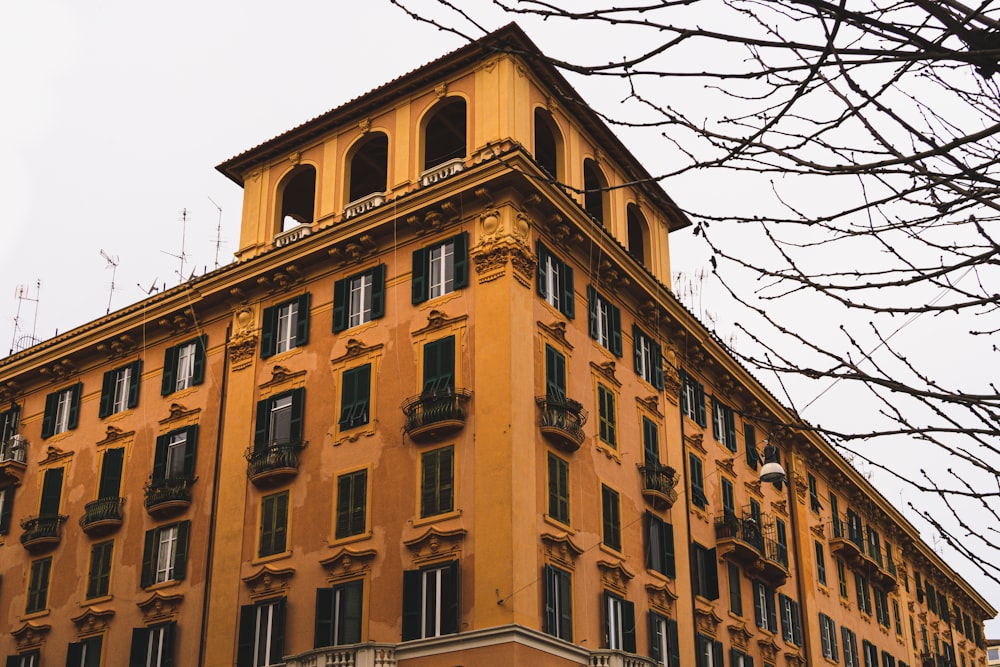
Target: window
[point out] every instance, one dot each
(298, 197)
(445, 133)
(6, 508)
(339, 614)
(153, 646)
(120, 390)
(184, 365)
(850, 643)
(109, 484)
(174, 456)
(693, 399)
(619, 623)
(813, 495)
(728, 499)
(638, 233)
(28, 659)
(705, 572)
(611, 518)
(8, 429)
(897, 618)
(781, 541)
(605, 322)
(828, 637)
(555, 374)
(38, 585)
(558, 489)
(547, 142)
(791, 623)
(698, 497)
(437, 481)
(273, 524)
(359, 298)
(439, 367)
(838, 527)
(889, 661)
(262, 634)
(650, 443)
(750, 437)
(709, 652)
(62, 411)
(842, 578)
(864, 594)
(820, 563)
(555, 281)
(368, 166)
(285, 326)
(51, 493)
(606, 416)
(738, 658)
(764, 611)
(558, 603)
(870, 653)
(659, 545)
(85, 653)
(648, 358)
(723, 424)
(874, 545)
(164, 555)
(279, 422)
(355, 395)
(352, 500)
(440, 269)
(735, 594)
(881, 607)
(595, 194)
(664, 645)
(99, 578)
(430, 601)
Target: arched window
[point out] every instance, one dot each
(298, 197)
(595, 196)
(368, 167)
(548, 143)
(638, 234)
(444, 134)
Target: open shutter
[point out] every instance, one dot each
(140, 641)
(555, 374)
(135, 379)
(730, 420)
(245, 641)
(461, 258)
(540, 269)
(449, 599)
(699, 401)
(351, 601)
(411, 604)
(772, 620)
(200, 355)
(148, 556)
(616, 329)
(718, 653)
(261, 427)
(657, 366)
(716, 410)
(190, 449)
(655, 638)
(636, 349)
(551, 578)
(712, 574)
(568, 301)
(750, 438)
(74, 405)
(51, 492)
(298, 412)
(323, 633)
(181, 555)
(169, 379)
(343, 526)
(667, 541)
(673, 644)
(74, 654)
(111, 473)
(759, 610)
(269, 325)
(592, 312)
(341, 301)
(169, 632)
(160, 459)
(107, 393)
(419, 277)
(302, 320)
(7, 510)
(378, 291)
(278, 638)
(628, 626)
(446, 481)
(48, 421)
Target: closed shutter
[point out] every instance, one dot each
(74, 655)
(412, 585)
(140, 642)
(449, 599)
(555, 374)
(169, 379)
(378, 292)
(540, 283)
(181, 554)
(628, 626)
(190, 447)
(51, 492)
(7, 509)
(667, 542)
(551, 578)
(616, 330)
(135, 379)
(200, 355)
(351, 602)
(323, 630)
(160, 459)
(637, 337)
(74, 405)
(592, 327)
(750, 437)
(673, 644)
(48, 421)
(298, 413)
(658, 366)
(269, 326)
(111, 473)
(278, 635)
(148, 558)
(461, 258)
(169, 632)
(302, 320)
(699, 403)
(439, 366)
(568, 301)
(341, 304)
(418, 280)
(107, 393)
(247, 636)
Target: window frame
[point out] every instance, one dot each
(86, 652)
(660, 546)
(120, 389)
(558, 489)
(423, 283)
(437, 494)
(693, 399)
(352, 309)
(604, 321)
(273, 341)
(176, 569)
(424, 615)
(272, 538)
(251, 632)
(164, 457)
(664, 646)
(351, 515)
(704, 572)
(611, 531)
(647, 357)
(355, 397)
(62, 410)
(554, 281)
(39, 577)
(558, 602)
(339, 614)
(764, 608)
(696, 469)
(619, 623)
(723, 424)
(607, 416)
(177, 375)
(99, 569)
(153, 646)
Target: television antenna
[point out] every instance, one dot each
(183, 256)
(218, 232)
(22, 294)
(113, 263)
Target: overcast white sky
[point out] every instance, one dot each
(115, 114)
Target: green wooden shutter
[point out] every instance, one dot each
(673, 644)
(750, 438)
(685, 380)
(341, 303)
(657, 366)
(279, 538)
(169, 379)
(412, 588)
(48, 421)
(637, 336)
(295, 431)
(74, 405)
(667, 542)
(446, 480)
(269, 326)
(592, 312)
(419, 277)
(260, 434)
(378, 291)
(351, 601)
(654, 638)
(716, 409)
(650, 443)
(160, 459)
(555, 374)
(616, 329)
(551, 578)
(140, 641)
(8, 509)
(169, 632)
(200, 357)
(107, 393)
(461, 258)
(568, 301)
(74, 654)
(717, 652)
(432, 354)
(302, 320)
(190, 449)
(51, 492)
(135, 379)
(540, 284)
(730, 423)
(439, 366)
(628, 626)
(699, 403)
(449, 599)
(359, 500)
(323, 627)
(278, 626)
(148, 558)
(181, 554)
(712, 570)
(111, 473)
(344, 496)
(247, 636)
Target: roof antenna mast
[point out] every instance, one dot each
(113, 263)
(183, 255)
(218, 232)
(21, 294)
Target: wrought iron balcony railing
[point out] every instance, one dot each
(562, 421)
(278, 459)
(168, 493)
(41, 531)
(103, 513)
(432, 414)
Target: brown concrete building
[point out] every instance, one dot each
(443, 410)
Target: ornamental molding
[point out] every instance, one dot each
(706, 619)
(661, 597)
(564, 235)
(53, 455)
(59, 370)
(159, 608)
(179, 322)
(30, 635)
(768, 648)
(178, 413)
(754, 488)
(696, 441)
(727, 465)
(355, 349)
(614, 575)
(433, 220)
(740, 635)
(606, 370)
(557, 330)
(801, 486)
(281, 376)
(492, 258)
(354, 251)
(268, 581)
(818, 530)
(650, 403)
(9, 390)
(560, 549)
(115, 434)
(435, 544)
(651, 313)
(438, 319)
(242, 349)
(348, 563)
(281, 281)
(780, 506)
(672, 384)
(612, 276)
(119, 347)
(795, 659)
(93, 621)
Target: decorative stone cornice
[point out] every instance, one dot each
(59, 370)
(671, 383)
(114, 434)
(435, 544)
(281, 281)
(9, 390)
(179, 413)
(651, 403)
(558, 331)
(606, 370)
(614, 574)
(739, 635)
(346, 563)
(354, 250)
(282, 376)
(30, 635)
(121, 346)
(726, 464)
(268, 581)
(696, 441)
(818, 530)
(794, 659)
(242, 348)
(768, 648)
(355, 348)
(433, 220)
(661, 597)
(158, 608)
(706, 619)
(54, 455)
(92, 621)
(179, 322)
(438, 319)
(610, 275)
(560, 549)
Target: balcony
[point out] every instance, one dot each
(442, 171)
(13, 458)
(42, 532)
(274, 463)
(882, 573)
(659, 485)
(612, 658)
(739, 540)
(168, 496)
(102, 516)
(432, 415)
(774, 567)
(847, 541)
(352, 655)
(562, 421)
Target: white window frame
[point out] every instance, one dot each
(431, 592)
(155, 647)
(284, 335)
(176, 449)
(441, 270)
(360, 300)
(119, 394)
(263, 633)
(553, 290)
(614, 616)
(281, 414)
(185, 366)
(645, 357)
(661, 638)
(166, 554)
(61, 422)
(603, 322)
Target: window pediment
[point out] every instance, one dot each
(268, 581)
(93, 621)
(179, 416)
(115, 434)
(158, 607)
(739, 635)
(661, 597)
(31, 635)
(560, 549)
(435, 544)
(614, 575)
(283, 379)
(706, 619)
(348, 563)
